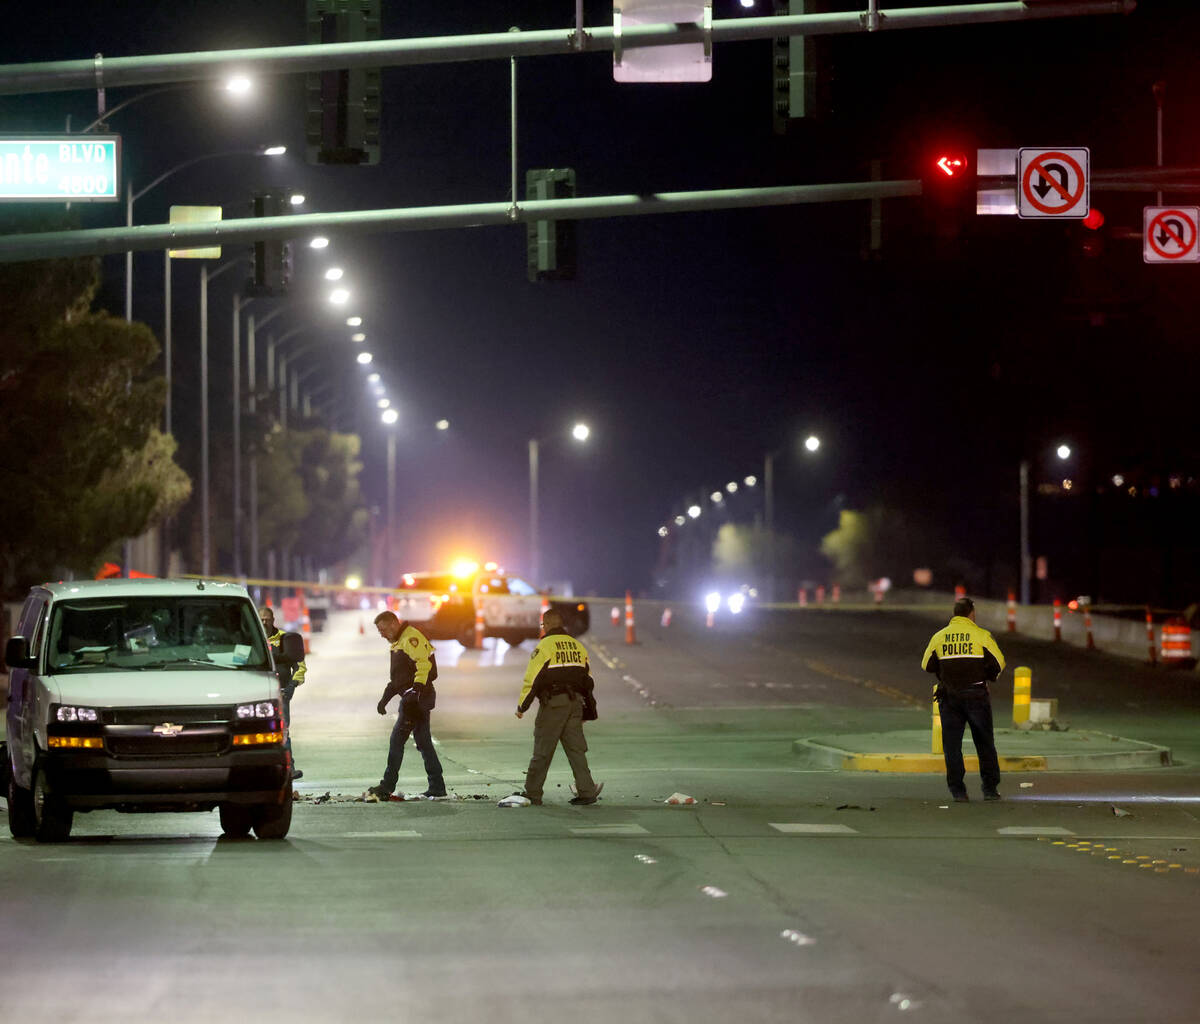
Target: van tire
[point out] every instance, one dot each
(52, 818)
(272, 821)
(514, 639)
(235, 820)
(21, 822)
(466, 636)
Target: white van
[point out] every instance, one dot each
(144, 695)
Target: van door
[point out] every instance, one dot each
(22, 687)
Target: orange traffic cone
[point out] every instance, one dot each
(629, 633)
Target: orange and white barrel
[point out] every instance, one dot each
(802, 597)
(1012, 612)
(666, 618)
(820, 595)
(837, 593)
(960, 592)
(615, 615)
(629, 632)
(478, 625)
(1057, 619)
(1176, 643)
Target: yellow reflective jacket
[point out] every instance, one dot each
(962, 654)
(413, 664)
(286, 671)
(559, 664)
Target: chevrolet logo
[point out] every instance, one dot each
(168, 729)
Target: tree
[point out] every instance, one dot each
(309, 497)
(84, 466)
(880, 542)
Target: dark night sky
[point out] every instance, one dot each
(694, 343)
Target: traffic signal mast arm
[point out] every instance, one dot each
(113, 72)
(99, 241)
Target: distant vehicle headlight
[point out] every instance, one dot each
(69, 713)
(263, 709)
(712, 601)
(736, 602)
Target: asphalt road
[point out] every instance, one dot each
(787, 892)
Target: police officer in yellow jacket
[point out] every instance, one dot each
(412, 672)
(965, 658)
(287, 651)
(559, 677)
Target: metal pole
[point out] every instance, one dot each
(205, 554)
(101, 241)
(535, 561)
(129, 255)
(391, 506)
(513, 126)
(167, 330)
(71, 75)
(252, 401)
(236, 404)
(283, 390)
(1159, 89)
(769, 520)
(1026, 565)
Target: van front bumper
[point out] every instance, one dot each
(87, 781)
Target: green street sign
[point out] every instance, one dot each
(60, 168)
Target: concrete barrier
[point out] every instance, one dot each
(1125, 637)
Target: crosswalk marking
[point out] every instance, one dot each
(610, 830)
(402, 833)
(804, 828)
(1034, 830)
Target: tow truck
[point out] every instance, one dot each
(442, 605)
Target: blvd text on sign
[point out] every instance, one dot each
(60, 168)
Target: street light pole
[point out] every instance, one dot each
(535, 562)
(769, 520)
(391, 506)
(1026, 560)
(204, 524)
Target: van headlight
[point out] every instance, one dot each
(263, 709)
(71, 713)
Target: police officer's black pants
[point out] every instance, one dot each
(972, 708)
(417, 726)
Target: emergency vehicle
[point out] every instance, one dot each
(442, 605)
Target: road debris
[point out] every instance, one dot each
(680, 798)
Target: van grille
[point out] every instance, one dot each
(205, 714)
(159, 746)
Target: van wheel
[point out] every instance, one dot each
(513, 639)
(21, 822)
(272, 821)
(466, 636)
(52, 818)
(235, 820)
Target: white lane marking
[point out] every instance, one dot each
(805, 829)
(645, 859)
(397, 834)
(609, 830)
(799, 938)
(714, 892)
(1034, 830)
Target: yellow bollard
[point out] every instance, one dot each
(1022, 693)
(936, 744)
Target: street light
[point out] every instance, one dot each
(811, 444)
(1063, 451)
(580, 432)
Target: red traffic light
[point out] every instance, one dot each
(952, 165)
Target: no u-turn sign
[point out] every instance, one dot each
(1169, 234)
(1052, 183)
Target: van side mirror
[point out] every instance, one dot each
(16, 653)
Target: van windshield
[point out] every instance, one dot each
(134, 633)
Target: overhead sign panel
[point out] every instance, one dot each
(685, 62)
(60, 168)
(1169, 234)
(1052, 183)
(195, 215)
